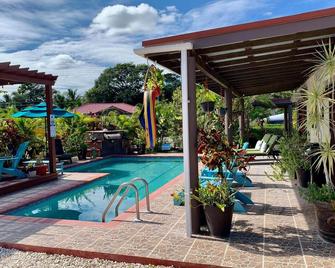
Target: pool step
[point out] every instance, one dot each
(128, 186)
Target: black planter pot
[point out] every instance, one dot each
(208, 106)
(318, 175)
(222, 111)
(326, 220)
(303, 177)
(219, 222)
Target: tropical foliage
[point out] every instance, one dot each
(317, 97)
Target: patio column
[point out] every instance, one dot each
(242, 120)
(51, 140)
(229, 114)
(190, 140)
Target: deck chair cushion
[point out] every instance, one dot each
(258, 145)
(264, 146)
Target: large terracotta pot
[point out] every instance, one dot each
(219, 222)
(326, 220)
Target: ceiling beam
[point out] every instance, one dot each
(269, 40)
(211, 73)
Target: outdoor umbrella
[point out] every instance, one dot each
(40, 111)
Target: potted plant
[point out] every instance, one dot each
(222, 109)
(178, 197)
(83, 151)
(317, 97)
(207, 99)
(294, 159)
(41, 168)
(217, 196)
(31, 170)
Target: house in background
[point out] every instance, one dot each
(104, 108)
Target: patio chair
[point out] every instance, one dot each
(15, 160)
(240, 178)
(60, 154)
(265, 151)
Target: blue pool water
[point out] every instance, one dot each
(88, 202)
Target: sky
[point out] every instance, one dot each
(78, 39)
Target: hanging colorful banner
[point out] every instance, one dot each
(152, 84)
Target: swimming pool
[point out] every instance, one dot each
(87, 202)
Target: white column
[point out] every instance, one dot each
(189, 139)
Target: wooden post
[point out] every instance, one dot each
(51, 140)
(242, 121)
(190, 141)
(285, 120)
(229, 115)
(289, 118)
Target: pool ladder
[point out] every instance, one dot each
(128, 186)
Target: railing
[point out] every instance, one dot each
(129, 185)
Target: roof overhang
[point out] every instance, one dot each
(13, 74)
(253, 58)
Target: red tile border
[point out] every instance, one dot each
(105, 256)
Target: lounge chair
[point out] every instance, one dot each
(15, 160)
(60, 154)
(265, 150)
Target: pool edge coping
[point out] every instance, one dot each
(124, 216)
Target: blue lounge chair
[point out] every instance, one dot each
(15, 160)
(240, 178)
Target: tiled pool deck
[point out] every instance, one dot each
(278, 231)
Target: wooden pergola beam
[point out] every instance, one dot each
(211, 73)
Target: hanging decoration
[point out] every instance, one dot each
(153, 82)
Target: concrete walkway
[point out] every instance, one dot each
(278, 231)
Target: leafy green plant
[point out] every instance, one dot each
(292, 151)
(313, 193)
(217, 152)
(205, 95)
(218, 194)
(316, 96)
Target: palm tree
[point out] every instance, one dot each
(73, 99)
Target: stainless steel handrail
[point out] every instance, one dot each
(123, 185)
(146, 184)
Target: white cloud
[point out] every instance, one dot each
(61, 45)
(221, 13)
(132, 20)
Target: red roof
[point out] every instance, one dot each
(94, 108)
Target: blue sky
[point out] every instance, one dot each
(77, 39)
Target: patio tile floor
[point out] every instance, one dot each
(278, 231)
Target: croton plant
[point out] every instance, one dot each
(216, 151)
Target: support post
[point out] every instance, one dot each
(285, 120)
(289, 118)
(229, 115)
(242, 121)
(51, 140)
(190, 140)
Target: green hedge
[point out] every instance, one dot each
(257, 133)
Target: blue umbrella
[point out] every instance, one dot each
(40, 111)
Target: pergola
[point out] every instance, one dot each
(13, 74)
(242, 60)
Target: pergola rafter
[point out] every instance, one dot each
(13, 74)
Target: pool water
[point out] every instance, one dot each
(87, 202)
